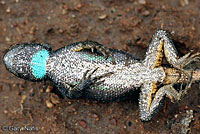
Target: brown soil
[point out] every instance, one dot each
(127, 25)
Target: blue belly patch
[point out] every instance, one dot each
(38, 63)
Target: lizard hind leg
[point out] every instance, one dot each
(149, 103)
(171, 53)
(161, 42)
(94, 45)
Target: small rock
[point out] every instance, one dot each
(49, 88)
(48, 17)
(146, 13)
(143, 2)
(23, 98)
(64, 11)
(82, 123)
(79, 6)
(61, 31)
(41, 90)
(73, 16)
(96, 116)
(5, 111)
(69, 102)
(184, 2)
(32, 31)
(55, 99)
(7, 39)
(102, 17)
(49, 104)
(2, 2)
(8, 10)
(74, 111)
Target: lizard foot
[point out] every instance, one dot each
(187, 59)
(88, 81)
(188, 84)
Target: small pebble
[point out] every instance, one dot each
(73, 109)
(8, 10)
(143, 2)
(69, 102)
(146, 13)
(184, 2)
(102, 17)
(64, 11)
(23, 98)
(54, 99)
(32, 31)
(73, 16)
(49, 104)
(7, 39)
(82, 123)
(49, 17)
(5, 111)
(79, 5)
(49, 88)
(41, 90)
(96, 117)
(2, 2)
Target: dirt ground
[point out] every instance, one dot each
(127, 25)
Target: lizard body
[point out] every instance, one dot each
(107, 74)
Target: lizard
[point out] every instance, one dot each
(90, 70)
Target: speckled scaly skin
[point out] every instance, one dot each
(106, 74)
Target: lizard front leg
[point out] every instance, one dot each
(94, 45)
(149, 102)
(84, 83)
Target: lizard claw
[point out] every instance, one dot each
(88, 81)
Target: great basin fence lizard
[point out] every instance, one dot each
(90, 70)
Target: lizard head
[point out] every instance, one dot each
(27, 60)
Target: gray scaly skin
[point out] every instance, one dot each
(90, 70)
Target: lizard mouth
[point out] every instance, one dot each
(8, 58)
